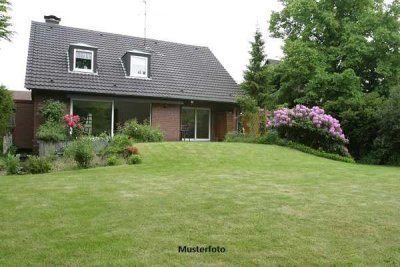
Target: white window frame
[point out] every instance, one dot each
(147, 67)
(195, 124)
(79, 69)
(71, 109)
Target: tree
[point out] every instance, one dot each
(387, 145)
(342, 55)
(5, 24)
(6, 109)
(341, 43)
(254, 79)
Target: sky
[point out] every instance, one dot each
(227, 27)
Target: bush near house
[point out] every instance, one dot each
(6, 109)
(53, 129)
(81, 151)
(134, 159)
(37, 164)
(118, 145)
(141, 132)
(12, 164)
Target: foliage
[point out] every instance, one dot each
(254, 79)
(387, 145)
(37, 164)
(113, 160)
(319, 153)
(82, 151)
(311, 127)
(2, 163)
(52, 110)
(118, 145)
(141, 132)
(238, 137)
(134, 159)
(51, 131)
(249, 113)
(247, 104)
(5, 24)
(343, 61)
(6, 106)
(359, 119)
(131, 150)
(12, 164)
(359, 44)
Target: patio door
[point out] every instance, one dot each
(195, 124)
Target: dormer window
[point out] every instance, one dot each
(83, 60)
(139, 66)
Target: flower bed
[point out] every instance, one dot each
(311, 127)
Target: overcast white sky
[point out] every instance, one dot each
(225, 26)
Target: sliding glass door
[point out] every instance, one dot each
(195, 124)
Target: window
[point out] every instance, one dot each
(96, 116)
(83, 60)
(139, 66)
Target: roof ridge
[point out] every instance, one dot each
(118, 34)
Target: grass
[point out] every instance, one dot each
(265, 204)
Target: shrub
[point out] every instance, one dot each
(134, 159)
(249, 116)
(37, 164)
(141, 132)
(6, 109)
(113, 160)
(132, 150)
(118, 145)
(52, 110)
(311, 127)
(270, 138)
(2, 164)
(386, 149)
(82, 151)
(52, 131)
(12, 164)
(237, 137)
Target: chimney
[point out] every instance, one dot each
(52, 19)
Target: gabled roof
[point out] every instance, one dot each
(178, 71)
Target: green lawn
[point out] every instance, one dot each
(266, 205)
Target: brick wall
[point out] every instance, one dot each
(168, 118)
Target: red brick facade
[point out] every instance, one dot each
(168, 118)
(165, 116)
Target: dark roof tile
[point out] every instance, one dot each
(178, 71)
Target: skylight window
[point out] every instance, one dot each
(139, 66)
(83, 60)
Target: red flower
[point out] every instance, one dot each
(72, 121)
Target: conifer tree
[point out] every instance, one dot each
(254, 78)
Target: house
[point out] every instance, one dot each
(109, 78)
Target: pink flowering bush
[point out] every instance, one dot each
(74, 124)
(71, 120)
(311, 127)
